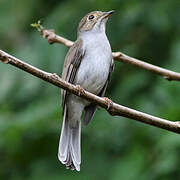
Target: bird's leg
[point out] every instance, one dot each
(80, 90)
(54, 75)
(110, 108)
(109, 102)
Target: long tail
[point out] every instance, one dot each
(69, 145)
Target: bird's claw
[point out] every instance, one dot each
(80, 90)
(54, 75)
(109, 102)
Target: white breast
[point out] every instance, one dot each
(94, 68)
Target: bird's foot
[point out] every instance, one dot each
(109, 102)
(54, 75)
(80, 90)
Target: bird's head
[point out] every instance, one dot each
(94, 21)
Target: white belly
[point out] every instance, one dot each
(94, 68)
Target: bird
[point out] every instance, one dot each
(88, 65)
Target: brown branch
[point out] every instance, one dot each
(115, 109)
(167, 74)
(53, 38)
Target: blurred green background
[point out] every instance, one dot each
(113, 148)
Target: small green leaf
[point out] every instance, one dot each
(38, 26)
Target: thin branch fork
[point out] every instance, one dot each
(115, 109)
(167, 74)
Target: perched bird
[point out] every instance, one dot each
(88, 65)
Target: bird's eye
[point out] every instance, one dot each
(91, 17)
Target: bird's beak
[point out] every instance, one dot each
(107, 14)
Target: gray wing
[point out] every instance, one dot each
(91, 109)
(71, 64)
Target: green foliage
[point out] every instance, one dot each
(112, 147)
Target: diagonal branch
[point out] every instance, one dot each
(115, 109)
(167, 74)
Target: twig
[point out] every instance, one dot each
(114, 109)
(167, 74)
